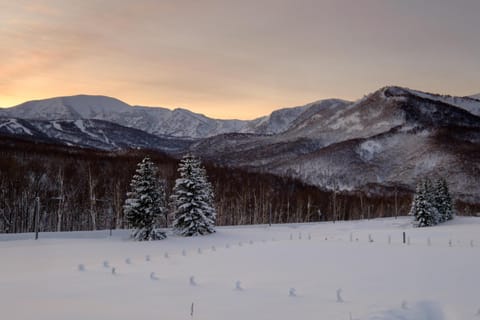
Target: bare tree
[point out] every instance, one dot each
(91, 191)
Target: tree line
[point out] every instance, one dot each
(84, 189)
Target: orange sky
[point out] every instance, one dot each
(235, 59)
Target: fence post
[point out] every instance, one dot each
(37, 216)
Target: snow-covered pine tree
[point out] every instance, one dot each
(145, 203)
(446, 200)
(209, 208)
(413, 207)
(438, 200)
(431, 196)
(422, 208)
(193, 200)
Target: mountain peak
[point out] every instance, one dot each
(470, 104)
(475, 96)
(182, 122)
(70, 107)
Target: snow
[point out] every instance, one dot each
(344, 121)
(466, 103)
(155, 120)
(57, 126)
(81, 126)
(90, 106)
(41, 279)
(72, 107)
(14, 126)
(368, 149)
(428, 162)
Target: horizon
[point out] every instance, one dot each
(133, 105)
(230, 60)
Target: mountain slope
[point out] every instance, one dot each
(68, 108)
(475, 96)
(390, 137)
(466, 103)
(96, 134)
(154, 120)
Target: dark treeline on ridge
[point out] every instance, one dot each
(83, 189)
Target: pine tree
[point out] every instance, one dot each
(438, 200)
(415, 201)
(145, 203)
(432, 204)
(193, 200)
(445, 199)
(422, 208)
(432, 197)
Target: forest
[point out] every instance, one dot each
(85, 189)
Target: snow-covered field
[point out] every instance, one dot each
(435, 276)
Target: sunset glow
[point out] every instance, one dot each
(235, 59)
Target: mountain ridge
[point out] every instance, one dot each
(101, 107)
(179, 122)
(475, 96)
(389, 137)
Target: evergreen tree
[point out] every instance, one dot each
(438, 200)
(445, 200)
(432, 204)
(431, 195)
(422, 208)
(145, 203)
(413, 207)
(193, 200)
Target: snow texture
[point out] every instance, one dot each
(379, 281)
(13, 126)
(154, 120)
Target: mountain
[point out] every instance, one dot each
(475, 96)
(154, 120)
(68, 108)
(96, 134)
(390, 137)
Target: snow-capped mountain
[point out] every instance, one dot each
(68, 108)
(96, 134)
(475, 96)
(392, 136)
(331, 122)
(154, 120)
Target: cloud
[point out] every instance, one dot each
(33, 45)
(237, 53)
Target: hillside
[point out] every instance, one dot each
(388, 138)
(180, 123)
(55, 171)
(475, 96)
(98, 134)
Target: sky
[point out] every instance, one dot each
(235, 59)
